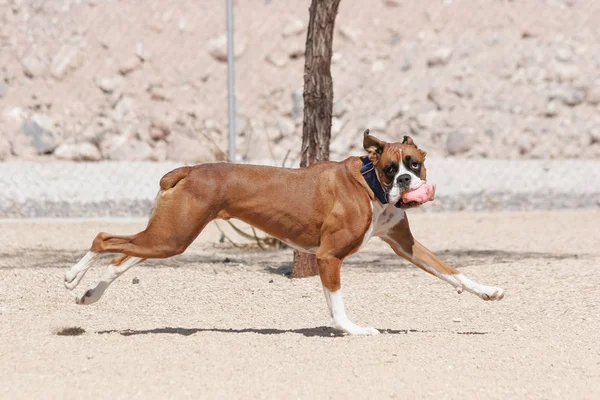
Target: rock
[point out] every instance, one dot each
(392, 3)
(159, 153)
(528, 34)
(11, 121)
(336, 126)
(441, 99)
(278, 58)
(593, 95)
(339, 108)
(188, 150)
(295, 50)
(42, 137)
(5, 146)
(594, 132)
(297, 104)
(286, 126)
(109, 84)
(405, 64)
(158, 93)
(84, 151)
(142, 53)
(123, 147)
(440, 57)
(241, 125)
(457, 320)
(349, 33)
(34, 66)
(458, 142)
(377, 66)
(96, 132)
(426, 120)
(569, 96)
(565, 72)
(564, 54)
(293, 28)
(159, 129)
(211, 125)
(550, 111)
(129, 65)
(217, 47)
(65, 60)
(123, 108)
(3, 89)
(336, 57)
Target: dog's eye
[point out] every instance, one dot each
(390, 170)
(415, 165)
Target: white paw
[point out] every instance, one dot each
(485, 292)
(76, 272)
(353, 329)
(87, 298)
(72, 280)
(491, 293)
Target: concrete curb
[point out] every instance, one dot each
(127, 189)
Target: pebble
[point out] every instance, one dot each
(217, 47)
(84, 151)
(40, 132)
(293, 28)
(34, 66)
(109, 84)
(458, 142)
(278, 58)
(440, 57)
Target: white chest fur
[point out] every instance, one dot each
(377, 210)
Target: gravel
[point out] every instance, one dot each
(220, 322)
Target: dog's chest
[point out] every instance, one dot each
(377, 210)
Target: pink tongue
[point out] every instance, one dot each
(422, 194)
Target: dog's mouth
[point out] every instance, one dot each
(401, 204)
(416, 197)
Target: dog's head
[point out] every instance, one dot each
(401, 170)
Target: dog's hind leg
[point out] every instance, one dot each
(179, 215)
(73, 276)
(116, 268)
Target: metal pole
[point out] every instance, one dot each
(230, 81)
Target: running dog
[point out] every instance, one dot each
(330, 209)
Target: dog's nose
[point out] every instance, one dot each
(403, 180)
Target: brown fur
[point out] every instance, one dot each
(405, 245)
(281, 202)
(323, 208)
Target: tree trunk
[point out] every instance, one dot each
(318, 103)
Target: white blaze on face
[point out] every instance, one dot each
(396, 191)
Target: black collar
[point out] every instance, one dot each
(368, 172)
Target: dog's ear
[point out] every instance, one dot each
(408, 140)
(373, 146)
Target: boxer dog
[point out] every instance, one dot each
(330, 209)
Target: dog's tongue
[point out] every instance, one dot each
(422, 194)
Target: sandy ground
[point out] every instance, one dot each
(221, 322)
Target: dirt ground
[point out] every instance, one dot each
(222, 322)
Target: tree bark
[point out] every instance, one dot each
(318, 103)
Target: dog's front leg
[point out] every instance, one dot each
(399, 237)
(329, 271)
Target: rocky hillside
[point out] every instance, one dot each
(94, 79)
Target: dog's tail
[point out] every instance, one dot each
(171, 179)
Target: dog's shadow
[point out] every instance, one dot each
(321, 331)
